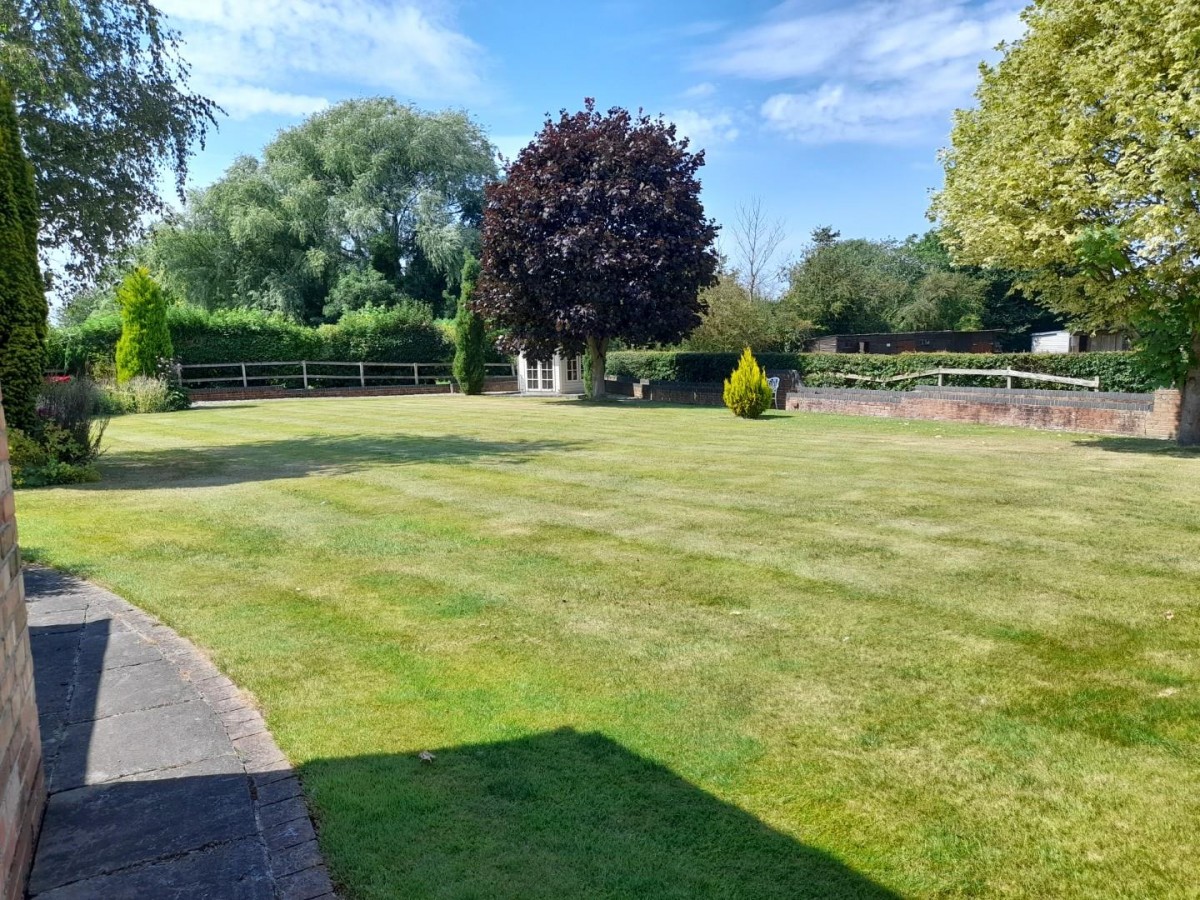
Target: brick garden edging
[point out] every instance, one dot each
(1125, 415)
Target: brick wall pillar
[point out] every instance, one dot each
(22, 788)
(1163, 421)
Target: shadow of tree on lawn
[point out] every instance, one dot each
(1147, 446)
(301, 456)
(560, 814)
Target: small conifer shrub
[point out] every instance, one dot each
(747, 393)
(145, 337)
(469, 335)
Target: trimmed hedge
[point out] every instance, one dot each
(1122, 372)
(242, 335)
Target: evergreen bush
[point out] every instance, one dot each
(469, 335)
(145, 338)
(23, 310)
(747, 393)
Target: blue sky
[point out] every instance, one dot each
(830, 112)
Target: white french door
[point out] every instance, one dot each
(539, 374)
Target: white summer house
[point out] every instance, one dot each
(558, 376)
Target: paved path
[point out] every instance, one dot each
(163, 780)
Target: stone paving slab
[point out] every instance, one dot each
(114, 651)
(128, 689)
(105, 749)
(163, 780)
(234, 871)
(111, 827)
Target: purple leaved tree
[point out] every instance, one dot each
(597, 233)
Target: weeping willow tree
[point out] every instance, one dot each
(367, 183)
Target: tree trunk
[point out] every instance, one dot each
(598, 350)
(1189, 409)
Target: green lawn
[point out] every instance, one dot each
(662, 652)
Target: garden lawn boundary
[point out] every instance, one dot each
(1124, 414)
(1117, 371)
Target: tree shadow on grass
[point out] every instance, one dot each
(560, 814)
(301, 456)
(1147, 446)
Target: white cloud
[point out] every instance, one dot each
(700, 91)
(250, 54)
(242, 101)
(873, 70)
(704, 129)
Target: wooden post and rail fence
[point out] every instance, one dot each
(309, 373)
(1008, 374)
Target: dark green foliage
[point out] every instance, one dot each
(690, 366)
(36, 463)
(469, 335)
(856, 286)
(1123, 372)
(23, 310)
(76, 348)
(850, 286)
(104, 107)
(239, 335)
(357, 289)
(145, 338)
(403, 333)
(400, 334)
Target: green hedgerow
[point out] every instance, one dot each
(145, 338)
(469, 335)
(747, 393)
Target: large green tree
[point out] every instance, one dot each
(1081, 162)
(23, 312)
(849, 286)
(1006, 305)
(367, 183)
(241, 244)
(102, 95)
(732, 320)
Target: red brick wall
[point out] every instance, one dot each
(1161, 421)
(22, 788)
